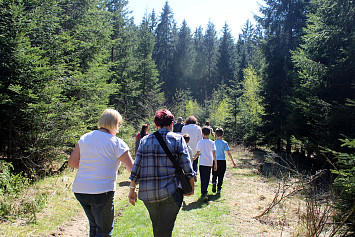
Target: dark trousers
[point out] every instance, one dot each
(99, 209)
(163, 214)
(219, 174)
(205, 174)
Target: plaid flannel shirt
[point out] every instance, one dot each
(153, 170)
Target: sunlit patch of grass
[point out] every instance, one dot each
(55, 203)
(131, 220)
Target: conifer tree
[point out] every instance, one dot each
(183, 59)
(209, 80)
(326, 69)
(163, 50)
(283, 22)
(149, 95)
(226, 63)
(200, 65)
(123, 64)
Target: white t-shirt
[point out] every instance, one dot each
(99, 153)
(195, 134)
(205, 147)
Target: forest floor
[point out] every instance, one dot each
(246, 194)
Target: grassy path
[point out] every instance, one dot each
(245, 194)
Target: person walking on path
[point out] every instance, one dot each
(207, 149)
(178, 125)
(155, 173)
(142, 133)
(195, 134)
(97, 156)
(212, 136)
(221, 148)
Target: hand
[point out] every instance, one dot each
(215, 167)
(132, 196)
(189, 194)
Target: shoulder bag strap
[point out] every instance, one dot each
(167, 151)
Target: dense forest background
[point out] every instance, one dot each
(286, 82)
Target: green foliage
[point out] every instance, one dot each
(55, 80)
(11, 185)
(251, 107)
(345, 185)
(226, 62)
(283, 22)
(165, 41)
(191, 108)
(325, 61)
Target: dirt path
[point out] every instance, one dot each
(78, 226)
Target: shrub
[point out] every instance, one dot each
(344, 186)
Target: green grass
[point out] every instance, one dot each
(196, 217)
(245, 194)
(58, 205)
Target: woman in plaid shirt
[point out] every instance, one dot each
(155, 174)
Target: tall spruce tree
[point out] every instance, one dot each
(226, 62)
(283, 22)
(123, 64)
(163, 50)
(200, 65)
(209, 79)
(183, 59)
(326, 64)
(149, 95)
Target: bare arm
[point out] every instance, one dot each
(215, 160)
(127, 161)
(196, 155)
(74, 159)
(230, 156)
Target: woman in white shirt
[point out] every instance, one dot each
(97, 156)
(195, 134)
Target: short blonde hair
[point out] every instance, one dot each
(110, 119)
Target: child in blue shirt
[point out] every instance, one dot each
(221, 147)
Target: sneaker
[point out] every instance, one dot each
(204, 197)
(218, 191)
(214, 188)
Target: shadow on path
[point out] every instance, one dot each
(200, 202)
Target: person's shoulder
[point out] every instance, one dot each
(174, 135)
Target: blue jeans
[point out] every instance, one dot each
(205, 174)
(163, 214)
(99, 209)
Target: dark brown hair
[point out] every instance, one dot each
(186, 137)
(206, 130)
(190, 120)
(219, 132)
